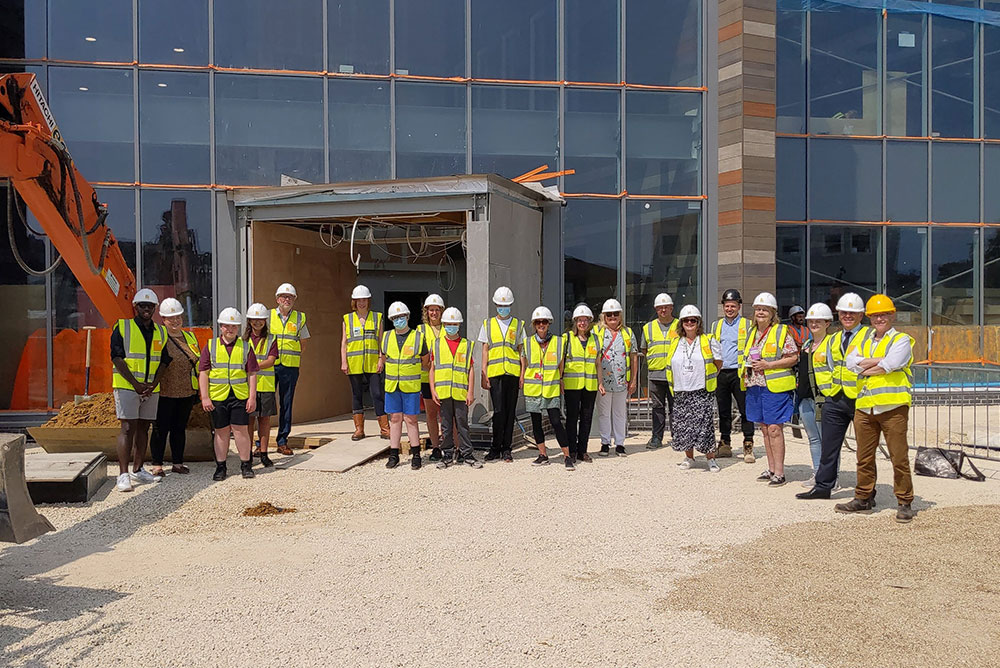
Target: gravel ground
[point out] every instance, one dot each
(509, 565)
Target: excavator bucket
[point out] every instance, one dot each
(19, 521)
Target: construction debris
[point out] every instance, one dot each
(264, 509)
(99, 411)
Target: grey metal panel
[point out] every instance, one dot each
(228, 269)
(477, 297)
(345, 208)
(552, 274)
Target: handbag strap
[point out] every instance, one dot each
(977, 476)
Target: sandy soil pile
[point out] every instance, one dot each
(264, 509)
(99, 411)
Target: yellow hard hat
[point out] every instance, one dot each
(879, 304)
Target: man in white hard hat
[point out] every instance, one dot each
(731, 332)
(451, 389)
(139, 358)
(656, 337)
(289, 328)
(503, 339)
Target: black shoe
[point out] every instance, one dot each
(765, 476)
(855, 505)
(246, 469)
(569, 463)
(619, 450)
(220, 471)
(654, 444)
(416, 462)
(492, 456)
(436, 455)
(393, 460)
(508, 456)
(265, 460)
(777, 481)
(584, 458)
(459, 458)
(541, 460)
(904, 513)
(814, 493)
(472, 461)
(444, 463)
(605, 450)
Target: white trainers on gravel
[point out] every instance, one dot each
(713, 466)
(686, 464)
(144, 476)
(809, 484)
(124, 483)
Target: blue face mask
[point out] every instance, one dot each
(400, 323)
(503, 311)
(451, 330)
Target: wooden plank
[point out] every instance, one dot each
(65, 467)
(342, 454)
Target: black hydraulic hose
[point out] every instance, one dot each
(13, 245)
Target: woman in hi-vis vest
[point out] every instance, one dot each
(430, 327)
(359, 359)
(541, 380)
(581, 380)
(502, 338)
(404, 354)
(265, 348)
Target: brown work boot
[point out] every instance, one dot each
(383, 425)
(904, 513)
(748, 452)
(856, 505)
(359, 427)
(725, 449)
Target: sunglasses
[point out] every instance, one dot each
(690, 321)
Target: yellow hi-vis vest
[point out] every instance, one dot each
(842, 378)
(541, 375)
(287, 334)
(711, 371)
(192, 343)
(777, 380)
(402, 367)
(227, 372)
(743, 327)
(503, 356)
(135, 354)
(265, 377)
(627, 337)
(657, 343)
(579, 371)
(887, 389)
(822, 366)
(430, 337)
(451, 372)
(362, 342)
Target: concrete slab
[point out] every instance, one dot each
(64, 477)
(341, 454)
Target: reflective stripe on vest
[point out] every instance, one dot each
(887, 389)
(192, 343)
(842, 378)
(503, 356)
(627, 336)
(362, 342)
(743, 327)
(402, 367)
(823, 366)
(228, 371)
(287, 335)
(431, 338)
(777, 380)
(580, 370)
(135, 354)
(657, 344)
(711, 370)
(451, 372)
(541, 375)
(265, 377)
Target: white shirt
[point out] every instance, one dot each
(896, 357)
(484, 336)
(688, 365)
(303, 333)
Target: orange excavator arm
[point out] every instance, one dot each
(35, 160)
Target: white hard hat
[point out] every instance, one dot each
(690, 311)
(145, 296)
(451, 315)
(541, 313)
(230, 316)
(360, 292)
(766, 299)
(503, 296)
(258, 312)
(434, 300)
(851, 302)
(612, 306)
(663, 299)
(583, 311)
(819, 311)
(795, 309)
(170, 307)
(286, 289)
(397, 309)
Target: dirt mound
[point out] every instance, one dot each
(264, 509)
(99, 411)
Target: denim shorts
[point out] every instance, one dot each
(766, 407)
(407, 403)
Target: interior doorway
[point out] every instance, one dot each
(414, 300)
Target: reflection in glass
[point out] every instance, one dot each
(359, 36)
(953, 272)
(906, 258)
(591, 248)
(592, 52)
(266, 127)
(953, 78)
(663, 143)
(904, 76)
(663, 42)
(174, 127)
(514, 39)
(845, 179)
(906, 181)
(991, 75)
(592, 140)
(843, 72)
(514, 130)
(955, 198)
(791, 72)
(174, 32)
(90, 31)
(359, 130)
(991, 175)
(790, 272)
(790, 166)
(263, 34)
(430, 37)
(991, 276)
(23, 31)
(430, 129)
(843, 258)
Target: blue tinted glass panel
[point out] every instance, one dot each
(843, 72)
(514, 130)
(121, 218)
(991, 77)
(592, 51)
(955, 198)
(22, 30)
(844, 258)
(790, 158)
(514, 39)
(845, 179)
(906, 181)
(991, 276)
(663, 143)
(263, 34)
(953, 81)
(790, 260)
(663, 42)
(791, 72)
(991, 176)
(905, 277)
(359, 36)
(359, 130)
(93, 108)
(174, 127)
(905, 76)
(430, 37)
(91, 31)
(953, 272)
(174, 32)
(591, 252)
(593, 140)
(430, 130)
(266, 126)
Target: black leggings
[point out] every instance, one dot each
(171, 419)
(555, 419)
(579, 418)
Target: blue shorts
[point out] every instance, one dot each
(766, 407)
(407, 403)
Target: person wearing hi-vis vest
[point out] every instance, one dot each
(840, 394)
(885, 385)
(731, 333)
(265, 349)
(541, 381)
(290, 330)
(360, 360)
(139, 358)
(770, 354)
(657, 335)
(451, 390)
(430, 327)
(813, 378)
(502, 338)
(581, 381)
(178, 390)
(404, 354)
(619, 373)
(693, 360)
(227, 379)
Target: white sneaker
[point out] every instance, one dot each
(686, 464)
(713, 466)
(142, 476)
(809, 484)
(124, 483)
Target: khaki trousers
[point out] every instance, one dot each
(867, 429)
